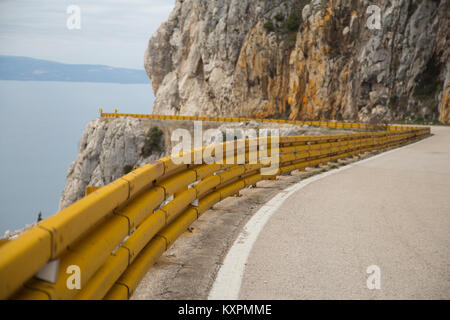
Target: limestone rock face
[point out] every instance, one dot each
(193, 58)
(303, 59)
(106, 147)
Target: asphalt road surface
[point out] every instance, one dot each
(391, 211)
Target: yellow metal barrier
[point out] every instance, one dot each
(118, 231)
(329, 124)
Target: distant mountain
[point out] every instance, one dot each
(29, 69)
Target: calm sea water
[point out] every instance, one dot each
(40, 127)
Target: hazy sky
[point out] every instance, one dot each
(113, 32)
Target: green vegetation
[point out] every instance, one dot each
(153, 142)
(279, 17)
(287, 29)
(293, 21)
(291, 39)
(269, 26)
(127, 169)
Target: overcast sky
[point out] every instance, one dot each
(113, 32)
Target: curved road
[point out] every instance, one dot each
(392, 211)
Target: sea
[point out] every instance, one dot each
(41, 124)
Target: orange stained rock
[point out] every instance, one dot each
(317, 101)
(445, 107)
(327, 16)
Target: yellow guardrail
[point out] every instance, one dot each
(116, 233)
(329, 124)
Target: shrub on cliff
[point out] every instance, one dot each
(269, 26)
(153, 142)
(293, 21)
(127, 169)
(279, 17)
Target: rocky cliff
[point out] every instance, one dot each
(303, 59)
(106, 147)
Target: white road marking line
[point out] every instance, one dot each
(229, 278)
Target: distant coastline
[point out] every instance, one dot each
(30, 69)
